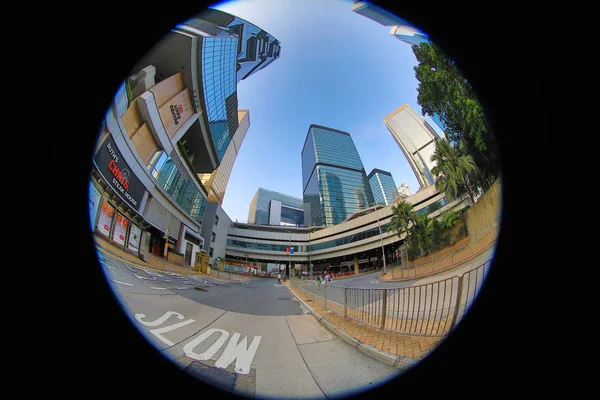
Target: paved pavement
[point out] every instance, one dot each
(399, 350)
(390, 347)
(279, 351)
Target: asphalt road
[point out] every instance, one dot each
(247, 338)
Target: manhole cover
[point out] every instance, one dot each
(284, 298)
(224, 380)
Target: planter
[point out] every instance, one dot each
(175, 259)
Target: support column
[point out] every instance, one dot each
(356, 270)
(144, 245)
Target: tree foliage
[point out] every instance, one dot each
(443, 91)
(455, 173)
(424, 234)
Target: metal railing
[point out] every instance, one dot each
(431, 309)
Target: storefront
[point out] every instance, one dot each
(115, 196)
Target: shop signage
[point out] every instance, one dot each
(118, 175)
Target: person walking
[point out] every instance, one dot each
(327, 280)
(279, 277)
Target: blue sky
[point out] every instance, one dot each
(337, 69)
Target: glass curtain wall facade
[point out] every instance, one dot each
(260, 206)
(219, 55)
(255, 47)
(383, 187)
(178, 185)
(334, 181)
(216, 182)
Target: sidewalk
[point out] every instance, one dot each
(158, 264)
(395, 349)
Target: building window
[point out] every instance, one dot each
(216, 220)
(210, 253)
(213, 237)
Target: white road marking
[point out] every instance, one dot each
(144, 277)
(152, 287)
(152, 273)
(181, 288)
(139, 318)
(166, 280)
(158, 332)
(122, 283)
(189, 348)
(237, 351)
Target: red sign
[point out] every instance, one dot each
(287, 250)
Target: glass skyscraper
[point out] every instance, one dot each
(273, 208)
(334, 181)
(383, 187)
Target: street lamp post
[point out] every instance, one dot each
(381, 242)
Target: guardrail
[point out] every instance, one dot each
(431, 309)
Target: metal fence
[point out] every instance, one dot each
(431, 309)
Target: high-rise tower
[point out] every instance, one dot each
(416, 138)
(383, 187)
(334, 181)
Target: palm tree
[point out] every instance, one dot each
(402, 217)
(454, 171)
(421, 233)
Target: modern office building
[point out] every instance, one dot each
(216, 182)
(357, 243)
(334, 182)
(213, 52)
(214, 231)
(416, 138)
(401, 28)
(383, 187)
(273, 208)
(176, 122)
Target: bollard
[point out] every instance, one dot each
(345, 302)
(383, 308)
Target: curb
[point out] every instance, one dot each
(143, 266)
(385, 357)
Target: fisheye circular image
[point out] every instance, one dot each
(295, 199)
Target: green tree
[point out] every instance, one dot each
(421, 234)
(402, 218)
(443, 91)
(455, 172)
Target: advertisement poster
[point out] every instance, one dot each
(176, 111)
(105, 218)
(134, 238)
(117, 173)
(120, 230)
(94, 203)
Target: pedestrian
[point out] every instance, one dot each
(327, 279)
(279, 277)
(319, 281)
